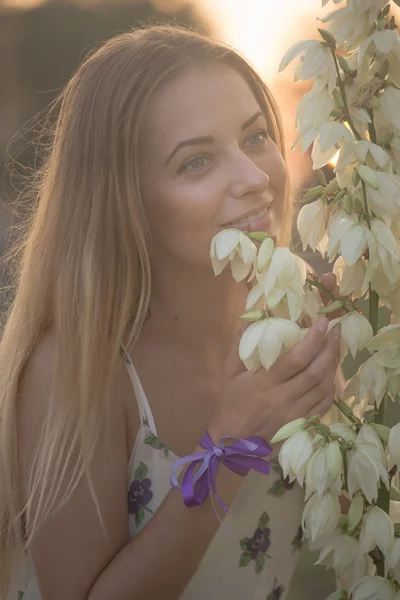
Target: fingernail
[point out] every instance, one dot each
(336, 333)
(322, 324)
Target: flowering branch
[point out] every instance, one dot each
(353, 110)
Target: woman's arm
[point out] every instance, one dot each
(73, 558)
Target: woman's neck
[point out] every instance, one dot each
(193, 308)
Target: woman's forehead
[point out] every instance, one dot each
(203, 101)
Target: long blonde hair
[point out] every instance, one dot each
(81, 266)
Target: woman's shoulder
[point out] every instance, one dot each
(35, 384)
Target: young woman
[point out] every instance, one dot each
(120, 348)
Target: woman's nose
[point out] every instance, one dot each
(247, 178)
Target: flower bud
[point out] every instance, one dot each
(257, 236)
(313, 193)
(254, 315)
(264, 254)
(368, 175)
(288, 430)
(355, 178)
(334, 459)
(377, 530)
(356, 510)
(347, 204)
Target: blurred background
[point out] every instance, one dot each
(41, 44)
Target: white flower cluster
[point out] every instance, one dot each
(353, 110)
(353, 457)
(352, 114)
(279, 299)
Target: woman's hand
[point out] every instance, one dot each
(299, 384)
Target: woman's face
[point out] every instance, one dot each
(207, 163)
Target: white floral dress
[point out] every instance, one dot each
(255, 561)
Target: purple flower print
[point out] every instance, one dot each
(139, 495)
(259, 543)
(255, 548)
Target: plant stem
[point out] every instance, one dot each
(319, 285)
(344, 96)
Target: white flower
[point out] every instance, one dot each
(385, 200)
(356, 331)
(333, 136)
(311, 223)
(233, 245)
(389, 105)
(367, 464)
(350, 25)
(315, 62)
(286, 272)
(350, 278)
(373, 588)
(324, 469)
(295, 454)
(394, 446)
(344, 431)
(347, 234)
(373, 380)
(370, 154)
(376, 530)
(313, 110)
(384, 41)
(288, 430)
(263, 341)
(320, 515)
(387, 337)
(339, 552)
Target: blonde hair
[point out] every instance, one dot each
(82, 266)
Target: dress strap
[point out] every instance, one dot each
(146, 416)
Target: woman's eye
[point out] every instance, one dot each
(260, 136)
(195, 164)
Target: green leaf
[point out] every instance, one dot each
(166, 451)
(243, 543)
(141, 472)
(139, 517)
(277, 489)
(244, 559)
(386, 10)
(260, 563)
(20, 595)
(328, 37)
(263, 520)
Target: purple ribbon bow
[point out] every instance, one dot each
(240, 457)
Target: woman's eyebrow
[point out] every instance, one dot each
(208, 139)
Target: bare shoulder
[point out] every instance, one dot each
(72, 548)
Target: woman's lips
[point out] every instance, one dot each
(261, 224)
